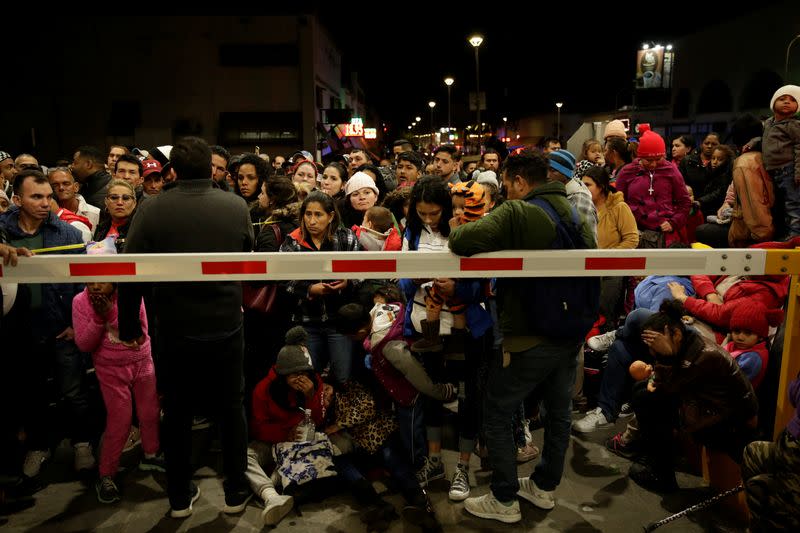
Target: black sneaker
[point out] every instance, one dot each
(235, 502)
(156, 464)
(617, 445)
(187, 511)
(107, 491)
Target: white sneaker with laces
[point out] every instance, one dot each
(601, 343)
(275, 508)
(84, 459)
(34, 460)
(459, 486)
(543, 499)
(593, 420)
(487, 506)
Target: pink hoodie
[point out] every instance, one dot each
(100, 336)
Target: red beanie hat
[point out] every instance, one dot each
(651, 145)
(754, 316)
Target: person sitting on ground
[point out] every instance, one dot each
(695, 386)
(771, 476)
(749, 327)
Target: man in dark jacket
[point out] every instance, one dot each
(529, 361)
(200, 323)
(89, 168)
(42, 324)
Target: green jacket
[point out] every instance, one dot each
(515, 225)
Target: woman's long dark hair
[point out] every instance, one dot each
(431, 190)
(601, 178)
(281, 192)
(328, 205)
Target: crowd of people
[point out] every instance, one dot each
(310, 382)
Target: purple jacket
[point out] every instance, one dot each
(794, 396)
(668, 201)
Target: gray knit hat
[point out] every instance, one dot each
(294, 357)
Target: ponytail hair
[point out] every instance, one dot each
(670, 314)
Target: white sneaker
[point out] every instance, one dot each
(84, 460)
(487, 506)
(275, 508)
(459, 486)
(33, 462)
(593, 420)
(543, 499)
(601, 343)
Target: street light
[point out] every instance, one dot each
(786, 67)
(558, 107)
(432, 104)
(418, 119)
(448, 81)
(476, 41)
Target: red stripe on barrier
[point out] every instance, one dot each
(615, 263)
(488, 263)
(233, 267)
(102, 269)
(364, 265)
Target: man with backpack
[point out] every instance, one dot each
(543, 322)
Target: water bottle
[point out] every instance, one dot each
(307, 429)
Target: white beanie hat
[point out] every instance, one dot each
(360, 180)
(487, 176)
(791, 90)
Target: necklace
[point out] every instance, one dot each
(650, 190)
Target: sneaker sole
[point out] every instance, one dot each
(234, 509)
(545, 505)
(593, 429)
(184, 513)
(274, 515)
(458, 497)
(499, 517)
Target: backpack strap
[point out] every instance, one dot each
(569, 230)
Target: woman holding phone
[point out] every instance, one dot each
(316, 303)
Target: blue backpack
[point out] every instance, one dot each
(564, 308)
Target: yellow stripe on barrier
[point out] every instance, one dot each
(790, 361)
(782, 262)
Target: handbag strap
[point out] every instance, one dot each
(276, 229)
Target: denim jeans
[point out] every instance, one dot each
(411, 422)
(69, 369)
(783, 178)
(326, 345)
(550, 368)
(626, 349)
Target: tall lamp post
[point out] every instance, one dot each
(476, 41)
(448, 81)
(786, 67)
(432, 104)
(558, 121)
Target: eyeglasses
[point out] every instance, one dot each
(118, 197)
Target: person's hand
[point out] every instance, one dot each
(721, 211)
(10, 254)
(101, 303)
(445, 286)
(298, 432)
(666, 227)
(651, 386)
(657, 341)
(318, 289)
(455, 222)
(337, 286)
(302, 384)
(678, 291)
(714, 298)
(68, 334)
(135, 343)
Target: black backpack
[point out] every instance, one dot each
(563, 308)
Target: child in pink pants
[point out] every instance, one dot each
(121, 370)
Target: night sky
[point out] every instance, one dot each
(528, 61)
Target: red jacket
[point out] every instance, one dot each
(272, 423)
(769, 290)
